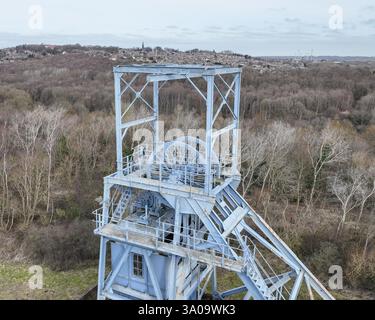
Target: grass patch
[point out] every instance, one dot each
(73, 284)
(58, 285)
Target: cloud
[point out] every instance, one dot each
(236, 28)
(277, 10)
(187, 32)
(369, 22)
(369, 8)
(292, 20)
(213, 28)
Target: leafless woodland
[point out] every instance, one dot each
(308, 157)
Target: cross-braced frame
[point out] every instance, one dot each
(172, 224)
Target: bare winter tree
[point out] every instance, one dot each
(299, 164)
(51, 129)
(253, 156)
(370, 234)
(366, 191)
(29, 179)
(86, 140)
(280, 140)
(346, 188)
(326, 148)
(6, 210)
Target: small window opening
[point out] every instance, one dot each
(138, 265)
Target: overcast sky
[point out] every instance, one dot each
(255, 27)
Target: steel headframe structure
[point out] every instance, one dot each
(170, 225)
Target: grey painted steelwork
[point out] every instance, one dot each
(170, 224)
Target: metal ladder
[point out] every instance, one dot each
(122, 205)
(256, 277)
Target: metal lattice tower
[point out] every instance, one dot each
(171, 215)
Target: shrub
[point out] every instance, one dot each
(361, 272)
(359, 91)
(14, 99)
(365, 278)
(327, 255)
(62, 247)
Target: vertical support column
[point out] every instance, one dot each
(185, 225)
(106, 202)
(172, 270)
(118, 110)
(236, 137)
(156, 115)
(214, 283)
(209, 118)
(177, 223)
(101, 269)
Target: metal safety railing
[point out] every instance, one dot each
(187, 238)
(144, 164)
(196, 240)
(164, 233)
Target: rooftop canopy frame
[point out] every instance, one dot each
(157, 75)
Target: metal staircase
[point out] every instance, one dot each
(235, 209)
(229, 222)
(252, 271)
(221, 227)
(125, 197)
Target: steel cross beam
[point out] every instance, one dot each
(176, 69)
(196, 88)
(170, 77)
(224, 102)
(122, 260)
(229, 87)
(129, 84)
(138, 122)
(138, 95)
